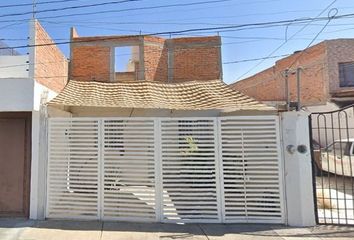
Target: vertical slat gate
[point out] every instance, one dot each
(251, 170)
(204, 170)
(189, 180)
(129, 171)
(72, 190)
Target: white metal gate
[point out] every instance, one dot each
(225, 169)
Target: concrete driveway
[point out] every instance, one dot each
(17, 229)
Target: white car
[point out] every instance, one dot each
(337, 158)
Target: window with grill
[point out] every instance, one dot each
(346, 74)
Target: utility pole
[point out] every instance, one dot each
(287, 96)
(298, 83)
(34, 9)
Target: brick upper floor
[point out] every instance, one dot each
(149, 58)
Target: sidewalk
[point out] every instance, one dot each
(17, 229)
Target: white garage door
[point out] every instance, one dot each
(251, 170)
(189, 171)
(73, 169)
(165, 169)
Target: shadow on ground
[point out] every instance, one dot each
(102, 230)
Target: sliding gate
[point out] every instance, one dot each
(224, 169)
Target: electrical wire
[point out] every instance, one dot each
(104, 11)
(285, 42)
(277, 76)
(330, 17)
(193, 30)
(38, 3)
(256, 59)
(67, 8)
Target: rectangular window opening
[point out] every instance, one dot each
(126, 60)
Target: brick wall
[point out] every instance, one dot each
(91, 56)
(269, 85)
(155, 60)
(339, 50)
(261, 84)
(196, 58)
(90, 63)
(51, 66)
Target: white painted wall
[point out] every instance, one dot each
(14, 66)
(39, 150)
(298, 170)
(326, 126)
(16, 94)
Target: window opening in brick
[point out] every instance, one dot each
(346, 74)
(126, 62)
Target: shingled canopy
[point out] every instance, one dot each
(191, 95)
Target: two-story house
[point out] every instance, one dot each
(326, 77)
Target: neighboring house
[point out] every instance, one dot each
(122, 58)
(26, 82)
(327, 77)
(326, 84)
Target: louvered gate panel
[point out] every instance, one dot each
(188, 154)
(73, 169)
(129, 171)
(251, 169)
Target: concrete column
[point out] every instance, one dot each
(170, 60)
(298, 169)
(39, 153)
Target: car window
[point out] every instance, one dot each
(340, 148)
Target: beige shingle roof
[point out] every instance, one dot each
(191, 95)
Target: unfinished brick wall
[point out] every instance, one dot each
(155, 59)
(196, 58)
(269, 85)
(91, 56)
(51, 66)
(90, 63)
(178, 59)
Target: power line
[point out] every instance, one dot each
(256, 59)
(315, 37)
(249, 25)
(152, 51)
(209, 16)
(195, 30)
(151, 7)
(105, 11)
(285, 42)
(38, 3)
(279, 74)
(67, 8)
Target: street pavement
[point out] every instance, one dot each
(20, 229)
